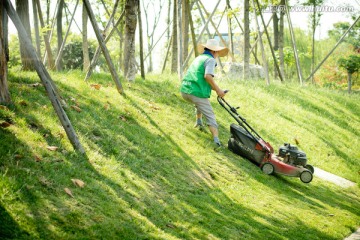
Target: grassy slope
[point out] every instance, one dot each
(150, 175)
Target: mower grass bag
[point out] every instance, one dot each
(245, 145)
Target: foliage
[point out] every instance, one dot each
(149, 175)
(73, 55)
(353, 36)
(330, 75)
(14, 53)
(351, 63)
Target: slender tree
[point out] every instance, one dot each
(49, 55)
(59, 31)
(36, 28)
(276, 37)
(281, 40)
(142, 70)
(265, 64)
(22, 9)
(85, 43)
(179, 40)
(174, 39)
(185, 27)
(193, 37)
(45, 77)
(4, 56)
(352, 65)
(314, 22)
(129, 45)
(229, 21)
(246, 71)
(336, 45)
(152, 20)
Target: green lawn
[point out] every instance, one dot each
(149, 175)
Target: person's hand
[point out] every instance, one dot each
(221, 93)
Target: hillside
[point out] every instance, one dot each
(148, 174)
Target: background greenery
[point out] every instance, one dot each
(149, 175)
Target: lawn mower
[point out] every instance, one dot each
(246, 142)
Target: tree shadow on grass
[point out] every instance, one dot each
(9, 228)
(151, 193)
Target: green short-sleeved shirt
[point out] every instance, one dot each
(194, 82)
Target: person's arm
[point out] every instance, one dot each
(209, 76)
(210, 80)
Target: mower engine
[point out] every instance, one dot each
(292, 155)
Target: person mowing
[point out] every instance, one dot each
(198, 82)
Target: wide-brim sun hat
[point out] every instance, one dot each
(213, 45)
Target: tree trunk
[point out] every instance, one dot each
(59, 31)
(168, 21)
(333, 49)
(229, 15)
(108, 36)
(294, 46)
(246, 71)
(174, 40)
(349, 81)
(142, 70)
(105, 51)
(276, 38)
(129, 46)
(313, 41)
(193, 36)
(268, 38)
(45, 78)
(4, 56)
(50, 59)
(185, 27)
(230, 54)
(62, 46)
(179, 40)
(47, 11)
(36, 28)
(281, 41)
(22, 9)
(85, 43)
(265, 64)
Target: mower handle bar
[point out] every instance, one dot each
(242, 121)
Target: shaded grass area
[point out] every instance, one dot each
(149, 175)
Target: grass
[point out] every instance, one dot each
(149, 175)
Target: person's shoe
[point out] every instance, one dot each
(200, 127)
(218, 147)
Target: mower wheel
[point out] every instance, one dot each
(306, 176)
(268, 168)
(310, 168)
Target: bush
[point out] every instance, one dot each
(73, 55)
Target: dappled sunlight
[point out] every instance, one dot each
(149, 174)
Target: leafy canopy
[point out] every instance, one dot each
(351, 63)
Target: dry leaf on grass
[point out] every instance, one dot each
(23, 103)
(18, 156)
(76, 108)
(153, 106)
(68, 192)
(123, 118)
(78, 182)
(5, 124)
(96, 86)
(37, 158)
(52, 148)
(3, 107)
